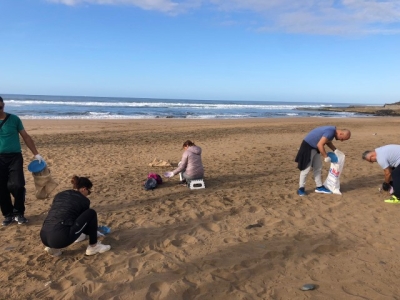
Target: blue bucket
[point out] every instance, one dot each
(36, 167)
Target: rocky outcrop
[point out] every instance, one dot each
(394, 106)
(386, 110)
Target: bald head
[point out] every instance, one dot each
(342, 134)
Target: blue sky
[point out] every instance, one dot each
(272, 50)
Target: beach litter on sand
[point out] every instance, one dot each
(308, 287)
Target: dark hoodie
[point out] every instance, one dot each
(191, 163)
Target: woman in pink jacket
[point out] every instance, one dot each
(190, 165)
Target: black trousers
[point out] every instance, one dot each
(60, 235)
(396, 181)
(12, 182)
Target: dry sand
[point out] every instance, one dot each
(176, 243)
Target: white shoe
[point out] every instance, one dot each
(81, 238)
(99, 248)
(53, 252)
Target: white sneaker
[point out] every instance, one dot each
(81, 238)
(53, 252)
(99, 248)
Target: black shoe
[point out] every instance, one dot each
(21, 219)
(7, 220)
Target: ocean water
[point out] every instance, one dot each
(78, 107)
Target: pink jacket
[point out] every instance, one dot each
(191, 163)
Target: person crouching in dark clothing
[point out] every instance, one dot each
(69, 217)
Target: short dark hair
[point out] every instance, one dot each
(364, 155)
(81, 182)
(188, 143)
(1, 100)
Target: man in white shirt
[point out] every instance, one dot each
(388, 157)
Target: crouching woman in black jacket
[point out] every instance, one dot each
(69, 217)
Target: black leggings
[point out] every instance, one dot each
(60, 235)
(396, 181)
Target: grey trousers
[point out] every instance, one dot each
(316, 164)
(183, 175)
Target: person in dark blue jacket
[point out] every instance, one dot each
(70, 215)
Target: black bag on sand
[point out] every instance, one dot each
(150, 184)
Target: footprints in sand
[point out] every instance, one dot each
(212, 227)
(174, 243)
(157, 290)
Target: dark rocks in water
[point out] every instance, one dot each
(378, 111)
(387, 112)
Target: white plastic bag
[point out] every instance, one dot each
(332, 182)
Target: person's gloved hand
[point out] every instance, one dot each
(327, 159)
(169, 174)
(336, 151)
(386, 186)
(39, 158)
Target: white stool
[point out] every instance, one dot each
(197, 184)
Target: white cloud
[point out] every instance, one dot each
(332, 17)
(166, 6)
(335, 17)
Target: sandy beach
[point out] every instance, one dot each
(176, 243)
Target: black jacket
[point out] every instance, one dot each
(67, 206)
(303, 157)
